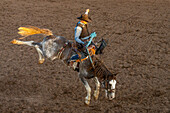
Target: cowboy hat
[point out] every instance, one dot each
(85, 16)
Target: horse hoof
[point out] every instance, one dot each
(96, 97)
(41, 61)
(87, 102)
(16, 42)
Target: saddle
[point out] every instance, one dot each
(81, 55)
(91, 50)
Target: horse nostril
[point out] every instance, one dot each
(110, 98)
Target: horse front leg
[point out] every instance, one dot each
(31, 43)
(96, 92)
(88, 89)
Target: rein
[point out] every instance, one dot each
(61, 50)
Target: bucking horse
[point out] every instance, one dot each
(58, 47)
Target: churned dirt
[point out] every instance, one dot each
(138, 35)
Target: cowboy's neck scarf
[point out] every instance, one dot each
(84, 22)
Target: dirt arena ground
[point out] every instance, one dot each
(138, 48)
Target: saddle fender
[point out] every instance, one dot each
(92, 51)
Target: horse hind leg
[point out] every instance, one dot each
(31, 43)
(18, 42)
(96, 92)
(40, 54)
(88, 89)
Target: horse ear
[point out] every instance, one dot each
(115, 74)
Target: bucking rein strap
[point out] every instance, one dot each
(61, 50)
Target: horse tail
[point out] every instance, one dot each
(31, 30)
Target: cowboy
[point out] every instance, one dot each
(82, 32)
(82, 35)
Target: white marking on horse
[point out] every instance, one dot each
(88, 97)
(49, 46)
(113, 86)
(96, 92)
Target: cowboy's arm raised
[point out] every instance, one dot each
(85, 38)
(91, 35)
(78, 31)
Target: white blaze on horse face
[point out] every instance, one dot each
(113, 86)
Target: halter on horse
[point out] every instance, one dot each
(58, 47)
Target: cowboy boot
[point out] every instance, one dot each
(101, 47)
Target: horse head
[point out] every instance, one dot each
(109, 84)
(106, 78)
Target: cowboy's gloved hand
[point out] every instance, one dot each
(93, 34)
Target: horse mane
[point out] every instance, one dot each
(100, 70)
